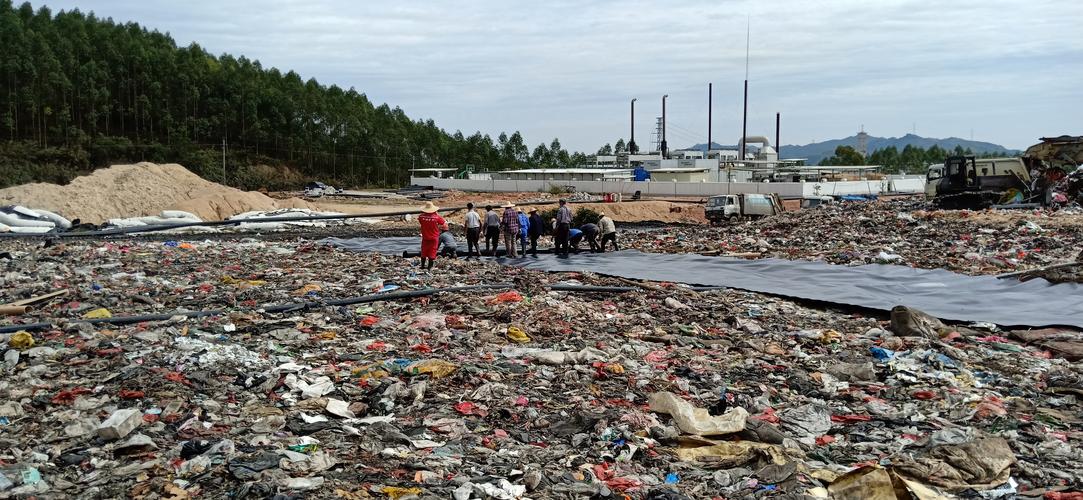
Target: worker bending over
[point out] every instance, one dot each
(609, 232)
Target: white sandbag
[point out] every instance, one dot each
(17, 221)
(180, 214)
(245, 215)
(32, 230)
(57, 219)
(125, 222)
(19, 209)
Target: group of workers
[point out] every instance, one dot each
(516, 227)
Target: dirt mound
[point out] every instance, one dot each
(141, 189)
(649, 211)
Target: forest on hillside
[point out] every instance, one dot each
(78, 92)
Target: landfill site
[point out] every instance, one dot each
(168, 337)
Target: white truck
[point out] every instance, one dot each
(735, 206)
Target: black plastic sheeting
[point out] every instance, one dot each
(943, 294)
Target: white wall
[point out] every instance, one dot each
(784, 189)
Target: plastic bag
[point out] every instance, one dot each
(99, 313)
(21, 340)
(437, 368)
(517, 335)
(508, 296)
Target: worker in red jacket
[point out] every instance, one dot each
(431, 224)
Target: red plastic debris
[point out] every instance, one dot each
(454, 321)
(132, 394)
(768, 415)
(368, 321)
(825, 440)
(506, 297)
(178, 378)
(924, 395)
(466, 408)
(1057, 495)
(68, 397)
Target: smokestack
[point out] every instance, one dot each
(778, 125)
(744, 127)
(710, 96)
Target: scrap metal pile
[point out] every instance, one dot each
(887, 232)
(514, 392)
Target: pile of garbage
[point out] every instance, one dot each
(516, 391)
(885, 232)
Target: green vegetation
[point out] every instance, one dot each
(912, 159)
(78, 92)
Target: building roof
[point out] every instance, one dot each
(432, 169)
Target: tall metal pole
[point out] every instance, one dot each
(664, 148)
(710, 97)
(632, 135)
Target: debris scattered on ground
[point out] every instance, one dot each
(886, 232)
(511, 393)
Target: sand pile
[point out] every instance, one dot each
(649, 211)
(141, 189)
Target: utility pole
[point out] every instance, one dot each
(632, 135)
(663, 146)
(224, 161)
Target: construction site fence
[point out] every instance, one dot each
(646, 188)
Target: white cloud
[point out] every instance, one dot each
(1009, 70)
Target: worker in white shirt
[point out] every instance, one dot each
(609, 232)
(473, 231)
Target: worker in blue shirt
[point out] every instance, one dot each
(524, 229)
(574, 237)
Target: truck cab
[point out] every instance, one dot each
(729, 206)
(722, 208)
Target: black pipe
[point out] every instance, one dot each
(299, 306)
(296, 306)
(590, 288)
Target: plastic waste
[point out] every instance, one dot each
(21, 340)
(698, 421)
(99, 313)
(517, 335)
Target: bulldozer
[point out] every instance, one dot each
(1048, 174)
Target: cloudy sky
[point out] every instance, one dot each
(1004, 71)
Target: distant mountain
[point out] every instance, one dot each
(819, 150)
